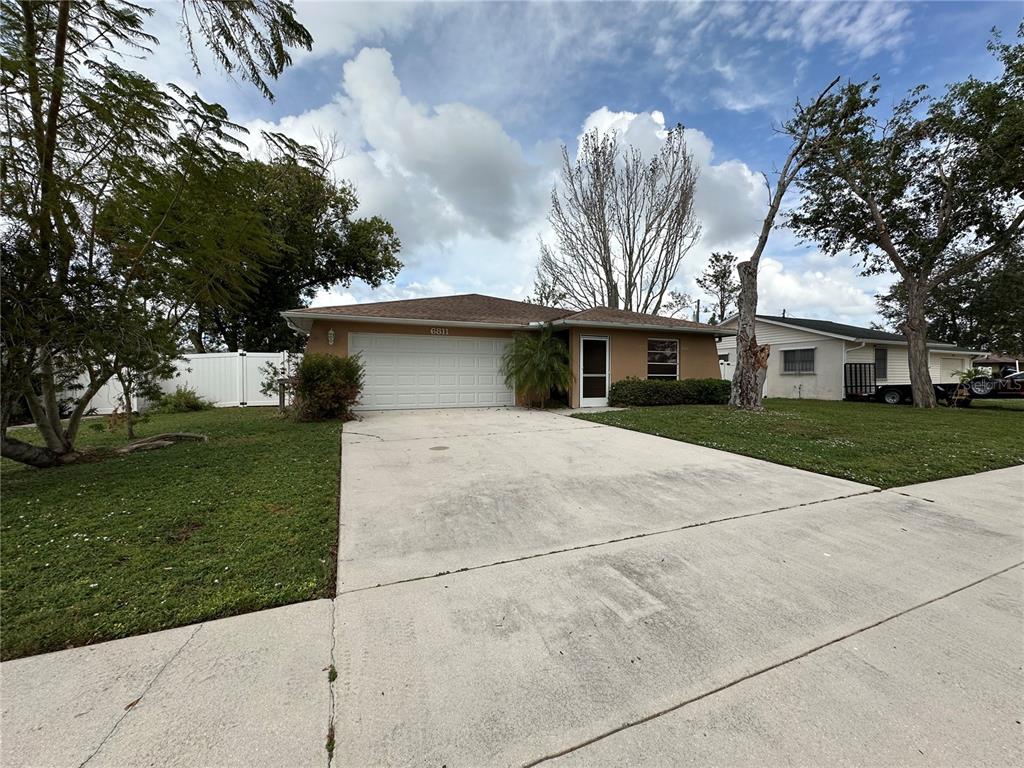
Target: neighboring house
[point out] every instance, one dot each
(808, 357)
(446, 352)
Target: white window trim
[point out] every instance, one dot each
(782, 361)
(648, 362)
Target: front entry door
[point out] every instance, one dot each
(593, 371)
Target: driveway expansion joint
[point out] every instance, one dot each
(592, 545)
(131, 707)
(769, 668)
(501, 433)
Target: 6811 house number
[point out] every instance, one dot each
(439, 331)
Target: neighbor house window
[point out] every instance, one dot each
(723, 358)
(798, 360)
(881, 363)
(662, 359)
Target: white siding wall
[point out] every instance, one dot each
(942, 366)
(827, 381)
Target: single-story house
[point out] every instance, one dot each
(446, 352)
(809, 357)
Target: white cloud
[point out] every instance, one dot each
(334, 298)
(860, 29)
(834, 293)
(469, 205)
(338, 28)
(436, 172)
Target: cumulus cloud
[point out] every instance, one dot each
(339, 27)
(469, 204)
(435, 171)
(804, 292)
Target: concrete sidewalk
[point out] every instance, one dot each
(250, 690)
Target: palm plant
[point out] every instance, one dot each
(536, 363)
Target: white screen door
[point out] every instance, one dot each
(593, 371)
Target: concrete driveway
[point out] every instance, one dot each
(612, 599)
(519, 587)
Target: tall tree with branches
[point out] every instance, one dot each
(622, 222)
(97, 165)
(930, 193)
(810, 128)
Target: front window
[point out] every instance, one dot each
(798, 360)
(881, 363)
(662, 359)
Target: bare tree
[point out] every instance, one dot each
(719, 281)
(677, 303)
(623, 223)
(810, 128)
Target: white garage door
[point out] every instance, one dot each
(430, 371)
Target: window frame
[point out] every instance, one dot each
(884, 376)
(814, 361)
(661, 376)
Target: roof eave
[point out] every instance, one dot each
(709, 331)
(292, 316)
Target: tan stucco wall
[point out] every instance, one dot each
(317, 341)
(627, 353)
(627, 350)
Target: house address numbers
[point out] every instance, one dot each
(439, 331)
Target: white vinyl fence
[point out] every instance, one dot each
(225, 378)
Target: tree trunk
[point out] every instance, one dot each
(915, 328)
(26, 453)
(751, 358)
(129, 414)
(196, 337)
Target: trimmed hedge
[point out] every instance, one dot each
(633, 391)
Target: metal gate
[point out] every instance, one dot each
(858, 380)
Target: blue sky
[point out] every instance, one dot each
(452, 114)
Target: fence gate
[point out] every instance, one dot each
(858, 380)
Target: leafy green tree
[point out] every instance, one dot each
(315, 242)
(980, 309)
(100, 168)
(931, 193)
(536, 363)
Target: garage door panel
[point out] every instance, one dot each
(410, 371)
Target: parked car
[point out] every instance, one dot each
(901, 394)
(1006, 386)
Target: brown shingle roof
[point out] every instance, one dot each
(466, 308)
(476, 308)
(625, 317)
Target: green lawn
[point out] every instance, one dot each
(867, 442)
(141, 542)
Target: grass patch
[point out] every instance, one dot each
(870, 443)
(157, 539)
